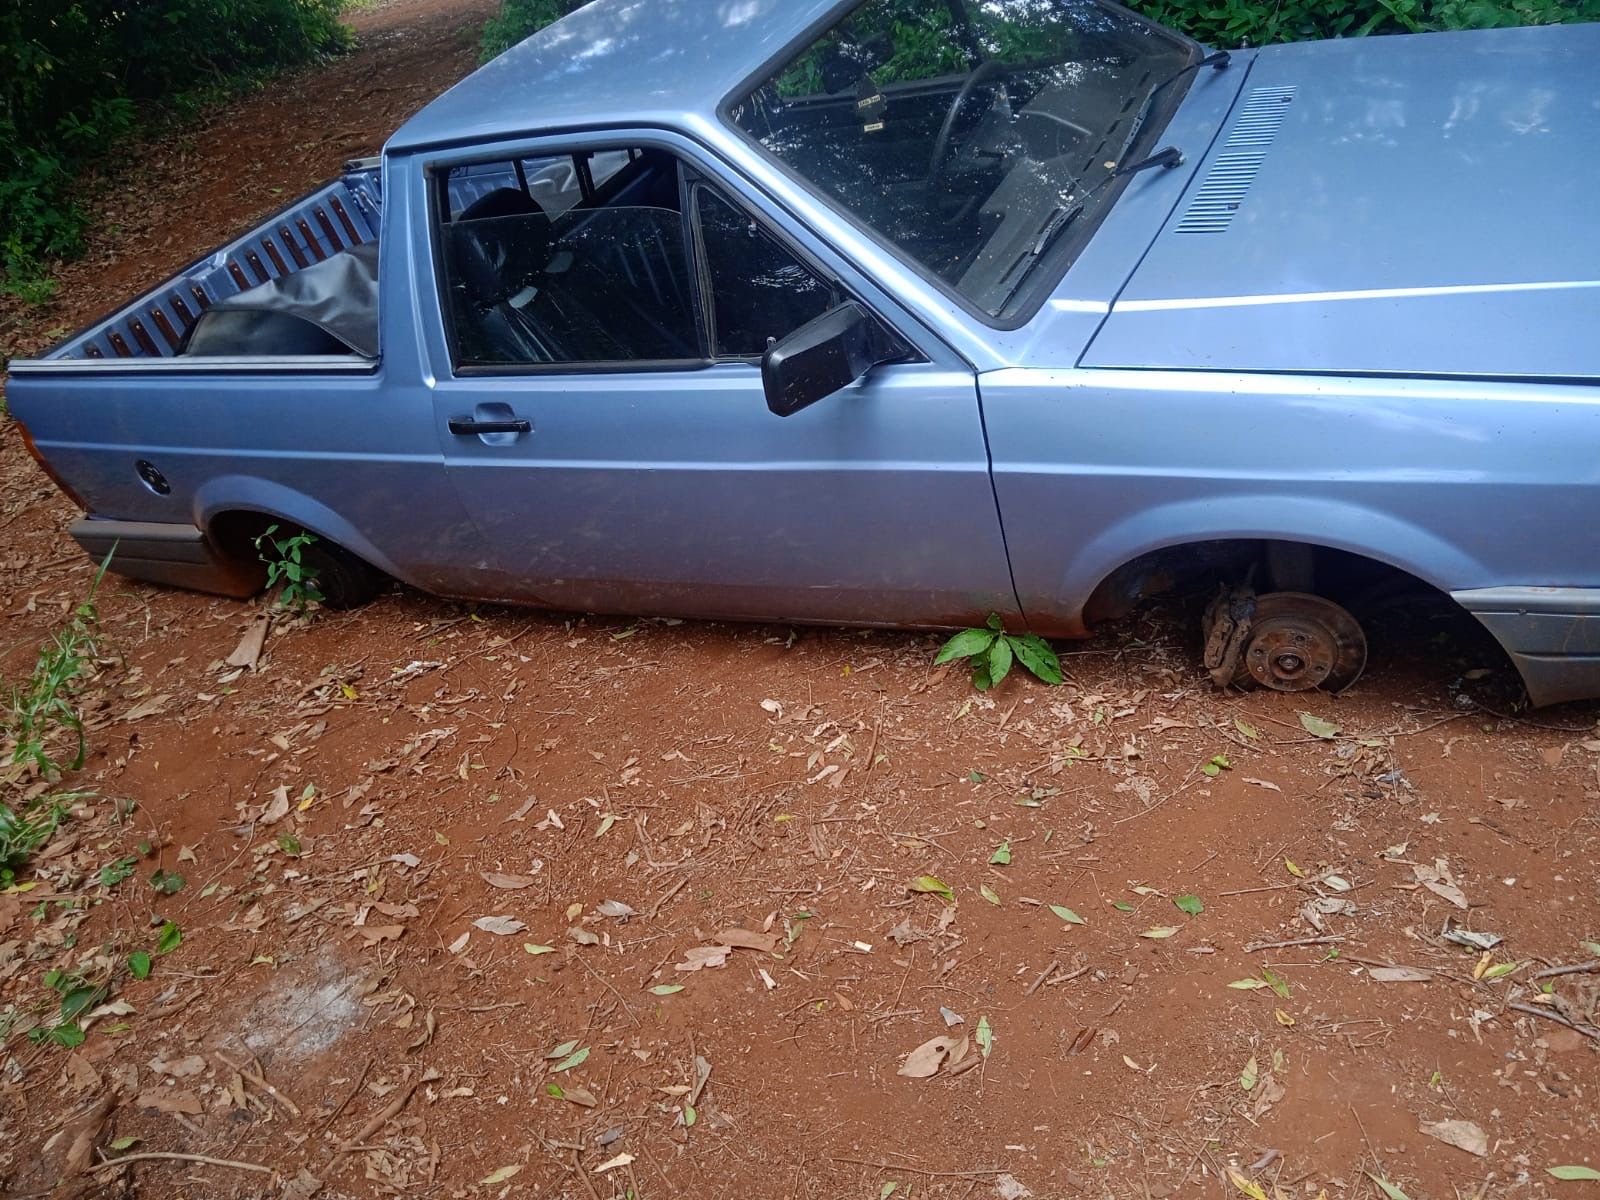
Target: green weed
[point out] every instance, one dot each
(47, 703)
(287, 568)
(992, 650)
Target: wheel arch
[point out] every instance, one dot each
(1365, 533)
(232, 510)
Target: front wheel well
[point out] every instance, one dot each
(1267, 564)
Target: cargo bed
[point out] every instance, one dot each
(340, 218)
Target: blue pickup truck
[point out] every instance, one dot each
(904, 313)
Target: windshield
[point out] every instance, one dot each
(968, 133)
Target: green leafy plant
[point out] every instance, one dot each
(78, 995)
(992, 651)
(287, 568)
(47, 703)
(23, 833)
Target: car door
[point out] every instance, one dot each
(603, 418)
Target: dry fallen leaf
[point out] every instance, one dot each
(743, 939)
(509, 883)
(278, 807)
(704, 956)
(615, 908)
(373, 934)
(502, 925)
(150, 706)
(167, 1101)
(1463, 1135)
(611, 1164)
(1437, 879)
(1399, 974)
(927, 1058)
(179, 1068)
(248, 651)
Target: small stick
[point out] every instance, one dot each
(1306, 941)
(1273, 887)
(1371, 1149)
(1575, 969)
(263, 1085)
(1152, 807)
(606, 985)
(1043, 975)
(883, 1166)
(668, 895)
(1534, 1010)
(384, 1116)
(588, 1184)
(206, 1159)
(349, 1096)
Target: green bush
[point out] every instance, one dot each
(76, 74)
(519, 19)
(1257, 22)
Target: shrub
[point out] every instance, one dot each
(76, 74)
(519, 19)
(1257, 22)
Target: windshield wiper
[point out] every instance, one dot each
(1057, 223)
(1216, 60)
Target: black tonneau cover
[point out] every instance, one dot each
(330, 307)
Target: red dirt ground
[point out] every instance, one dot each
(344, 813)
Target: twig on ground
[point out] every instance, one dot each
(1187, 783)
(204, 1159)
(1582, 968)
(383, 1117)
(1533, 1010)
(606, 985)
(261, 1083)
(977, 1173)
(1042, 976)
(1305, 941)
(349, 1096)
(665, 896)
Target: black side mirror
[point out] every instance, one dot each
(824, 356)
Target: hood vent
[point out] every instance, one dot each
(1236, 167)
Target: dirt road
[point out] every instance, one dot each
(439, 876)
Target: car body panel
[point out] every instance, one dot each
(1461, 485)
(1407, 183)
(873, 508)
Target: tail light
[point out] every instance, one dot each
(55, 478)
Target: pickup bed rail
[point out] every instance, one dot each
(336, 217)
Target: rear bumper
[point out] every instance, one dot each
(177, 555)
(1551, 633)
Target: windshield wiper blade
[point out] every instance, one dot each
(1057, 223)
(1216, 60)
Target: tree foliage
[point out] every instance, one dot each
(519, 19)
(75, 76)
(1234, 23)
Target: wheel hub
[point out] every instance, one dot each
(1298, 641)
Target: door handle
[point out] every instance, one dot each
(468, 426)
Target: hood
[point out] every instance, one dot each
(1424, 204)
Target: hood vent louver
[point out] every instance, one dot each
(1214, 204)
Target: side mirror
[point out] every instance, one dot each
(822, 357)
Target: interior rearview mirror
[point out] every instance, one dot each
(824, 356)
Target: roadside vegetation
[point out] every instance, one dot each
(79, 77)
(1228, 23)
(42, 737)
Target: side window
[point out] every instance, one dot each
(569, 260)
(759, 290)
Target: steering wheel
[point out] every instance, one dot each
(943, 144)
